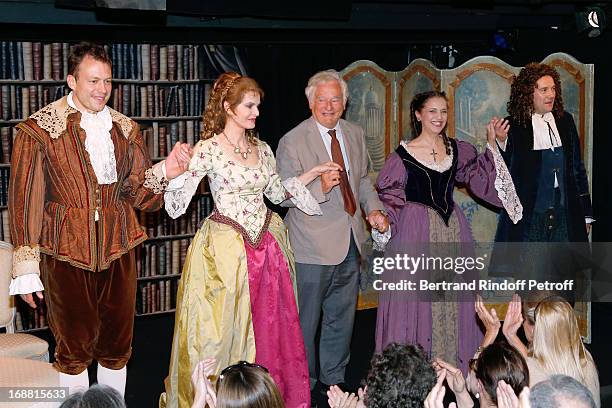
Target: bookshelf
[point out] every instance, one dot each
(164, 88)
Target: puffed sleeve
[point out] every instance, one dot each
(180, 190)
(487, 177)
(291, 189)
(143, 188)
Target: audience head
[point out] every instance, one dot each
(536, 89)
(228, 92)
(557, 344)
(400, 376)
(561, 391)
(97, 396)
(327, 94)
(249, 385)
(531, 300)
(500, 361)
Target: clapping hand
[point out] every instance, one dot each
(204, 392)
(336, 398)
(489, 319)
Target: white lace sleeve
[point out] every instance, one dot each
(180, 190)
(379, 240)
(505, 187)
(301, 196)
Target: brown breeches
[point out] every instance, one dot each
(91, 314)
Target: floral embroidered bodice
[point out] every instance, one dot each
(238, 191)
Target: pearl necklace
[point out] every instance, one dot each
(237, 149)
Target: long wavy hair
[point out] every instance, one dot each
(418, 102)
(230, 87)
(556, 340)
(520, 105)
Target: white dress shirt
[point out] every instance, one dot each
(327, 142)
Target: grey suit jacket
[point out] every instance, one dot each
(324, 240)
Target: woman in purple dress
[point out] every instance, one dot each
(416, 186)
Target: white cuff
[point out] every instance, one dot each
(380, 239)
(301, 196)
(502, 145)
(178, 182)
(25, 284)
(160, 168)
(504, 185)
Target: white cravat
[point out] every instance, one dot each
(98, 143)
(543, 136)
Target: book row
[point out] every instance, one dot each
(158, 296)
(35, 61)
(159, 100)
(161, 258)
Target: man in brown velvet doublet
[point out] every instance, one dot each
(79, 169)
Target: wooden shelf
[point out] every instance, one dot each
(11, 121)
(160, 81)
(24, 82)
(5, 165)
(162, 312)
(33, 330)
(158, 277)
(170, 237)
(164, 118)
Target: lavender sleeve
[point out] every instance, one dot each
(390, 185)
(477, 172)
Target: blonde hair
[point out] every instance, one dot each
(557, 345)
(230, 87)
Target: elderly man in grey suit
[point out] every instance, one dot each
(327, 248)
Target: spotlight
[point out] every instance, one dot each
(592, 20)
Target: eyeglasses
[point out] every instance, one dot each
(238, 366)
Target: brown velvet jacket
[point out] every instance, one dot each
(54, 193)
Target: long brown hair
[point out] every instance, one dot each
(249, 387)
(230, 87)
(520, 105)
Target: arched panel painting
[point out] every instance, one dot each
(420, 76)
(370, 106)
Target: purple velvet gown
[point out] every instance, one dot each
(408, 319)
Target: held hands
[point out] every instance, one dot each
(178, 160)
(29, 299)
(497, 128)
(204, 392)
(378, 221)
(331, 177)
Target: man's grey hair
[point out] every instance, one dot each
(97, 396)
(560, 391)
(322, 77)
